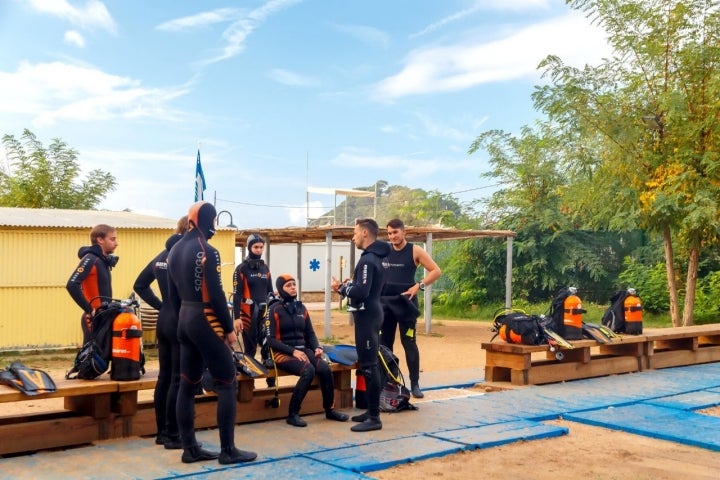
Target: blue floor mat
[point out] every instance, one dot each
(381, 455)
(658, 422)
(501, 433)
(689, 401)
(294, 467)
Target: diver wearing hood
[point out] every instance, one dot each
(206, 336)
(252, 283)
(295, 349)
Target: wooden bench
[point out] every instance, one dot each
(101, 409)
(655, 348)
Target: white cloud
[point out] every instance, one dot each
(468, 64)
(367, 35)
(51, 92)
(93, 14)
(313, 209)
(73, 37)
(242, 24)
(484, 5)
(410, 167)
(292, 79)
(200, 20)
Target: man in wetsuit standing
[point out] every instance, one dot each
(363, 293)
(403, 261)
(91, 283)
(205, 332)
(168, 347)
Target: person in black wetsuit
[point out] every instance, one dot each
(402, 263)
(91, 283)
(206, 335)
(168, 382)
(363, 293)
(295, 349)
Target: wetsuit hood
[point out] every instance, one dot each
(94, 249)
(202, 217)
(109, 260)
(252, 240)
(280, 282)
(381, 249)
(172, 240)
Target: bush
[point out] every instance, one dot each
(650, 283)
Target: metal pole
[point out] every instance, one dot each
(427, 297)
(328, 281)
(508, 273)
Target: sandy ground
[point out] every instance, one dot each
(590, 453)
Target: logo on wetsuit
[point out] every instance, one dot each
(199, 263)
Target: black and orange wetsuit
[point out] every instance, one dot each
(90, 284)
(252, 283)
(196, 293)
(289, 329)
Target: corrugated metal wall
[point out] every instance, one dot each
(36, 309)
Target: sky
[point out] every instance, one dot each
(279, 96)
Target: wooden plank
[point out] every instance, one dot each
(39, 434)
(512, 347)
(676, 358)
(124, 403)
(513, 361)
(578, 354)
(95, 405)
(598, 367)
(65, 388)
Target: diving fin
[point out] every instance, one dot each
(29, 381)
(555, 336)
(247, 364)
(342, 354)
(595, 334)
(604, 329)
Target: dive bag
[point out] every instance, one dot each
(394, 395)
(516, 326)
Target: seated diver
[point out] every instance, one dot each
(295, 349)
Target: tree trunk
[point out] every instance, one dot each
(691, 284)
(672, 284)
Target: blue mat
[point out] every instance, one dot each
(689, 401)
(295, 467)
(658, 422)
(381, 455)
(501, 433)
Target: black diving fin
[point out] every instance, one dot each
(29, 381)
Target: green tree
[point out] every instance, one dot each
(41, 177)
(649, 117)
(553, 247)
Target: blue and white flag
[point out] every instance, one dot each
(199, 180)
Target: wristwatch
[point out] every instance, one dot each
(422, 286)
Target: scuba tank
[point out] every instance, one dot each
(633, 311)
(127, 357)
(572, 316)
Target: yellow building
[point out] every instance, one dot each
(38, 251)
